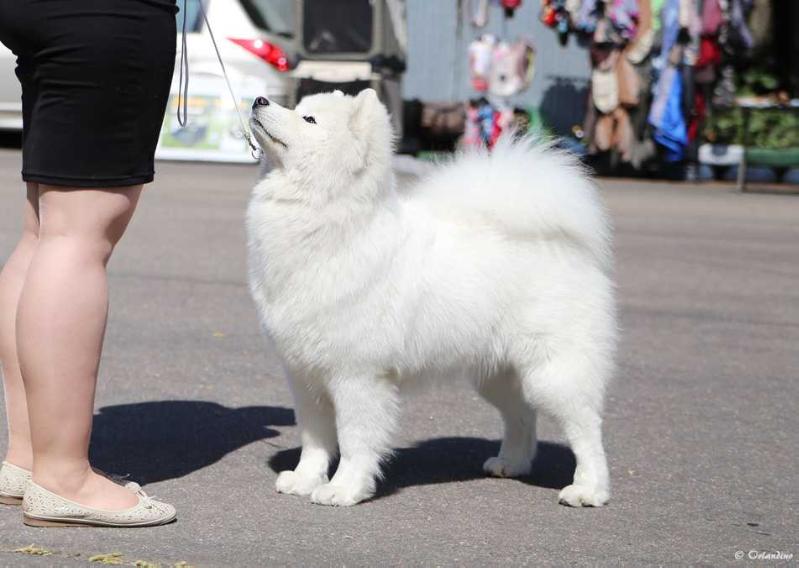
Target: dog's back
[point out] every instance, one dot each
(525, 188)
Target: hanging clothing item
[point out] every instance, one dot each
(623, 14)
(657, 10)
(614, 131)
(709, 58)
(558, 15)
(641, 45)
(604, 78)
(627, 78)
(485, 123)
(503, 120)
(738, 35)
(605, 90)
(481, 52)
(512, 68)
(666, 115)
(712, 17)
(510, 7)
(690, 22)
(471, 132)
(588, 16)
(700, 111)
(573, 7)
(685, 13)
(670, 26)
(478, 12)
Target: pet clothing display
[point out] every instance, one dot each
(512, 68)
(481, 53)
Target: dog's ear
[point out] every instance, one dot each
(367, 96)
(368, 119)
(366, 105)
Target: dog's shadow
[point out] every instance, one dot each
(445, 460)
(160, 440)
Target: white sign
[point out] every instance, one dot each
(212, 132)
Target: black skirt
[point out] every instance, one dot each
(95, 78)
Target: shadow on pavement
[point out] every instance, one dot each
(445, 460)
(156, 441)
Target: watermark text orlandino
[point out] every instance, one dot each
(763, 555)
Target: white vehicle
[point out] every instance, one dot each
(10, 92)
(254, 38)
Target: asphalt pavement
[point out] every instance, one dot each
(702, 430)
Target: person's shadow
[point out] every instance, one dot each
(155, 441)
(445, 460)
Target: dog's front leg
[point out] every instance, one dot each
(366, 417)
(317, 423)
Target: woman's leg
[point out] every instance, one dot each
(11, 279)
(60, 327)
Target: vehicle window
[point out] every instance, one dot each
(194, 18)
(275, 16)
(344, 26)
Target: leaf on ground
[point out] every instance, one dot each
(145, 564)
(33, 550)
(114, 558)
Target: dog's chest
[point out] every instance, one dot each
(323, 299)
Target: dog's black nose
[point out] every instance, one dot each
(260, 102)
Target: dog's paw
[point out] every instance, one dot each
(293, 483)
(339, 495)
(502, 467)
(583, 496)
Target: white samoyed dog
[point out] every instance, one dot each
(498, 264)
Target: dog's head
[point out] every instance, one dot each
(326, 134)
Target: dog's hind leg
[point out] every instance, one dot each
(503, 390)
(570, 386)
(366, 418)
(317, 424)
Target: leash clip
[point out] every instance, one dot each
(255, 152)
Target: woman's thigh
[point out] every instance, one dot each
(96, 216)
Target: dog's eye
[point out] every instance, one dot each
(309, 119)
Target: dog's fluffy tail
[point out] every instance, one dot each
(527, 189)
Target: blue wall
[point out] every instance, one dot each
(438, 63)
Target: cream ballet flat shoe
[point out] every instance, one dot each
(13, 481)
(43, 508)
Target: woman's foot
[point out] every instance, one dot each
(13, 482)
(43, 508)
(88, 488)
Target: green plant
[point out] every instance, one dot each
(768, 128)
(757, 81)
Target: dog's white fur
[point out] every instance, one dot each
(496, 263)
